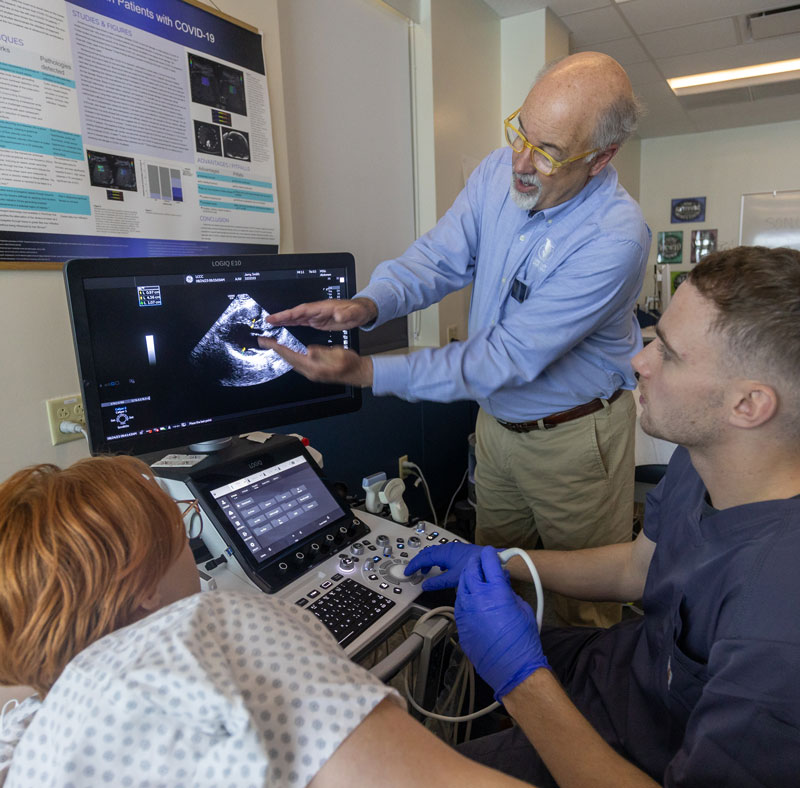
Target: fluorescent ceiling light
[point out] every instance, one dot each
(736, 77)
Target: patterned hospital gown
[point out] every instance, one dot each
(219, 689)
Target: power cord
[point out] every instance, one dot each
(412, 467)
(72, 427)
(452, 500)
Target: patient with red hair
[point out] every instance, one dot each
(141, 679)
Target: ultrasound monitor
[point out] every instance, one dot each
(167, 347)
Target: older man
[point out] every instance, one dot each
(702, 690)
(557, 260)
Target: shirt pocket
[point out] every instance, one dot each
(686, 675)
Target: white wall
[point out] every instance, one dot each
(466, 77)
(37, 362)
(717, 165)
(529, 42)
(347, 101)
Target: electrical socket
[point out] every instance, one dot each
(64, 409)
(402, 472)
(452, 333)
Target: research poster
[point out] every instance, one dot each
(132, 129)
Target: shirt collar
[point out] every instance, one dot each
(595, 182)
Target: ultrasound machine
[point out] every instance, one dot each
(170, 370)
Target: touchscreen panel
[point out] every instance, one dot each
(277, 507)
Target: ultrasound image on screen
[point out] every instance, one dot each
(177, 351)
(229, 353)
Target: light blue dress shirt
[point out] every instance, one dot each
(570, 340)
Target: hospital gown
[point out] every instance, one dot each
(218, 689)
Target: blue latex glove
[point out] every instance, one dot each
(451, 557)
(496, 628)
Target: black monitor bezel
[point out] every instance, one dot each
(78, 270)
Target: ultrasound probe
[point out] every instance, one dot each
(504, 556)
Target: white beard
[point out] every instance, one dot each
(529, 200)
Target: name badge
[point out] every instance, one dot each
(519, 291)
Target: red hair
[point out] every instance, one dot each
(80, 550)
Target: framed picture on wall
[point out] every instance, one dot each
(688, 209)
(670, 247)
(675, 279)
(703, 242)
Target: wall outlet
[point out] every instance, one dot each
(452, 333)
(65, 409)
(401, 471)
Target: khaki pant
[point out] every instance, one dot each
(571, 485)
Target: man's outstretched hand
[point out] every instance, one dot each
(330, 315)
(325, 364)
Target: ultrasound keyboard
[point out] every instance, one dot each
(349, 609)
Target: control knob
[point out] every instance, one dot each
(382, 540)
(357, 548)
(346, 564)
(414, 541)
(420, 529)
(387, 550)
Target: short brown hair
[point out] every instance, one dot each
(756, 292)
(80, 549)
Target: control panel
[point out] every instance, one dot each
(358, 590)
(270, 525)
(361, 592)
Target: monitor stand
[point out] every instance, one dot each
(204, 447)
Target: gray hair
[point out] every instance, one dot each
(617, 122)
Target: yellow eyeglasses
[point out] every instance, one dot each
(541, 160)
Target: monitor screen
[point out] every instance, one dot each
(167, 347)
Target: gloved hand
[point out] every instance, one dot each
(496, 628)
(451, 557)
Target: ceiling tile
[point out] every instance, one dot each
(654, 39)
(623, 50)
(694, 38)
(765, 51)
(717, 98)
(788, 88)
(768, 110)
(564, 7)
(642, 73)
(592, 27)
(647, 16)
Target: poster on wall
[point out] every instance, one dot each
(687, 209)
(132, 129)
(670, 247)
(676, 278)
(703, 242)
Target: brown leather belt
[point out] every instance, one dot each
(553, 420)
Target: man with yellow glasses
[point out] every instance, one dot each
(557, 261)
